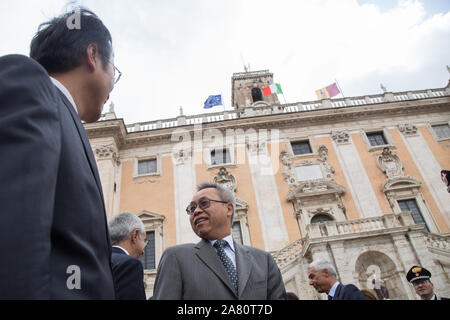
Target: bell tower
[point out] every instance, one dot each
(247, 89)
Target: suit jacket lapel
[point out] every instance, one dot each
(337, 293)
(209, 256)
(244, 266)
(86, 144)
(91, 160)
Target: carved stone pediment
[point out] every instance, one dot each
(241, 209)
(315, 188)
(151, 220)
(241, 204)
(390, 163)
(145, 215)
(400, 183)
(226, 179)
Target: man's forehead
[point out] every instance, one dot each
(311, 270)
(205, 193)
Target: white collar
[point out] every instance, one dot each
(228, 239)
(122, 249)
(66, 92)
(333, 289)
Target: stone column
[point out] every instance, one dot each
(406, 259)
(107, 156)
(342, 263)
(184, 189)
(268, 202)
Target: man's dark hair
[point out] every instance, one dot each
(59, 49)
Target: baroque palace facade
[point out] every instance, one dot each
(354, 180)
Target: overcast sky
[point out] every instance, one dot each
(176, 53)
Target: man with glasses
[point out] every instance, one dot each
(216, 268)
(128, 239)
(420, 278)
(50, 190)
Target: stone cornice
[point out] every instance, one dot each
(319, 117)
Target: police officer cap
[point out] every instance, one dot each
(416, 273)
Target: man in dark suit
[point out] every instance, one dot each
(420, 278)
(128, 239)
(216, 268)
(53, 231)
(322, 276)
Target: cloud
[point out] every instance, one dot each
(177, 53)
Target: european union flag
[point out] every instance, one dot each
(213, 101)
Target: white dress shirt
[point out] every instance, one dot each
(66, 92)
(333, 289)
(122, 249)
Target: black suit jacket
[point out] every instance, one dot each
(52, 214)
(348, 292)
(128, 275)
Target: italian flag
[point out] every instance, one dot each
(273, 88)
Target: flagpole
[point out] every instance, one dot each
(340, 89)
(284, 98)
(223, 103)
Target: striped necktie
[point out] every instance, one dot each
(227, 263)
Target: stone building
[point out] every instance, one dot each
(353, 180)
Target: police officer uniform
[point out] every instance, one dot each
(417, 273)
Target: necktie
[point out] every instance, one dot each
(330, 297)
(227, 263)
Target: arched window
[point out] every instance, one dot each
(321, 218)
(257, 94)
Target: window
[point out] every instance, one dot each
(220, 156)
(411, 205)
(148, 258)
(147, 166)
(301, 147)
(442, 131)
(237, 232)
(256, 94)
(376, 138)
(321, 218)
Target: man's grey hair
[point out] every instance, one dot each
(320, 265)
(122, 225)
(224, 194)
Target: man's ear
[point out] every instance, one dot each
(230, 209)
(92, 56)
(134, 236)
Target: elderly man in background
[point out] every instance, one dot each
(322, 276)
(128, 239)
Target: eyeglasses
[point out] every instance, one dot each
(117, 73)
(203, 204)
